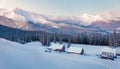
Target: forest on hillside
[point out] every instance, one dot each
(94, 38)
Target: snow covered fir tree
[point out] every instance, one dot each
(110, 39)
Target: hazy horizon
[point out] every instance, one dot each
(63, 7)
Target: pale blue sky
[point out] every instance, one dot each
(63, 7)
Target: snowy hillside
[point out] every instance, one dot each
(33, 56)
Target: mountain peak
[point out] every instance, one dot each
(14, 9)
(89, 18)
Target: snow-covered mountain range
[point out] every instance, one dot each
(25, 20)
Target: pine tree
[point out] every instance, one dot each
(69, 41)
(43, 38)
(60, 38)
(115, 38)
(55, 38)
(48, 40)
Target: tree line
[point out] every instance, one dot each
(93, 38)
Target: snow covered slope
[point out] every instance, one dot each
(65, 24)
(33, 21)
(32, 56)
(23, 15)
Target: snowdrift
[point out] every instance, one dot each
(32, 56)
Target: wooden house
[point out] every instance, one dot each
(108, 53)
(75, 50)
(57, 47)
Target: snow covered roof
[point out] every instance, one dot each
(75, 49)
(108, 49)
(56, 46)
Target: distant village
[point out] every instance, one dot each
(105, 52)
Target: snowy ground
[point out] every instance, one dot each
(32, 56)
